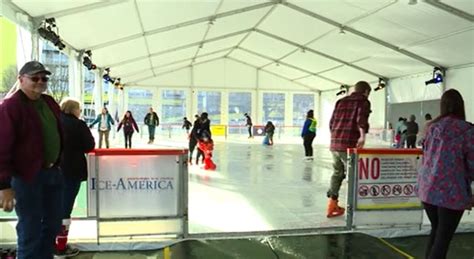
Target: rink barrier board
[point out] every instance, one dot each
(181, 200)
(382, 210)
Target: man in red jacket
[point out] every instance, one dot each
(349, 124)
(29, 156)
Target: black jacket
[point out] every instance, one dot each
(78, 140)
(152, 121)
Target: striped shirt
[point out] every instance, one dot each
(350, 114)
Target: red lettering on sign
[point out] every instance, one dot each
(367, 166)
(363, 168)
(375, 168)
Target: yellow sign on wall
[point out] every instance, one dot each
(218, 130)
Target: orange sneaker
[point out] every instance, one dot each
(333, 209)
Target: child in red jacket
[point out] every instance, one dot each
(207, 146)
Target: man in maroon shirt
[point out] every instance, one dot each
(30, 151)
(348, 125)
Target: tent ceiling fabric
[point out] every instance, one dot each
(299, 40)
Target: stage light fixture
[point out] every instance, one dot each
(437, 76)
(117, 81)
(46, 32)
(344, 89)
(381, 85)
(86, 60)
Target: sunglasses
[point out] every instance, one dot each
(37, 78)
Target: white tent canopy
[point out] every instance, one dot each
(316, 44)
(272, 45)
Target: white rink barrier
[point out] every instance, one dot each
(138, 185)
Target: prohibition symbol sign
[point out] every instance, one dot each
(397, 190)
(408, 189)
(363, 190)
(386, 190)
(375, 190)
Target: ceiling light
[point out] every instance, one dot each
(344, 89)
(381, 85)
(437, 76)
(48, 30)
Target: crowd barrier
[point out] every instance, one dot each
(382, 188)
(145, 192)
(138, 185)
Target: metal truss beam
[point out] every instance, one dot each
(173, 70)
(179, 48)
(363, 35)
(176, 62)
(180, 25)
(274, 74)
(81, 9)
(319, 53)
(454, 11)
(291, 66)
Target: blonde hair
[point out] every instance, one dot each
(68, 105)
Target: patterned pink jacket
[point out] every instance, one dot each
(447, 170)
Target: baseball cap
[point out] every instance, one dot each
(33, 67)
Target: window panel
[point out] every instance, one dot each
(139, 102)
(239, 103)
(173, 106)
(274, 108)
(210, 102)
(302, 103)
(58, 63)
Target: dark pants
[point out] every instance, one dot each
(308, 143)
(70, 191)
(443, 225)
(270, 138)
(250, 130)
(128, 139)
(39, 207)
(151, 132)
(192, 146)
(199, 154)
(411, 141)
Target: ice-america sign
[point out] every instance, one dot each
(138, 184)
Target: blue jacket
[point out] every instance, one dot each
(110, 121)
(306, 127)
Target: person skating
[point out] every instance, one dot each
(348, 125)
